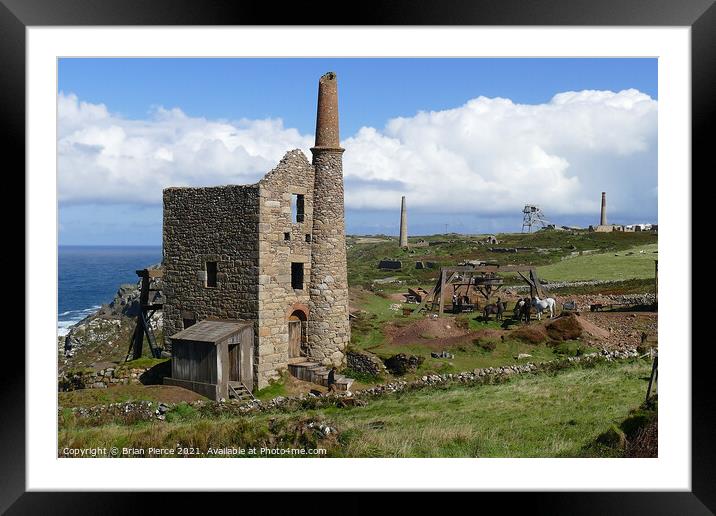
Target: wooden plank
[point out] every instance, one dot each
(441, 298)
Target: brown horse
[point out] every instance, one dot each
(526, 310)
(494, 308)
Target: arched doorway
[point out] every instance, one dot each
(297, 334)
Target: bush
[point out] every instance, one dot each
(361, 376)
(645, 443)
(181, 411)
(637, 420)
(613, 438)
(570, 349)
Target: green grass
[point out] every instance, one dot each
(545, 415)
(604, 266)
(274, 389)
(121, 394)
(630, 286)
(367, 327)
(449, 249)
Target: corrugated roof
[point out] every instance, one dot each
(210, 330)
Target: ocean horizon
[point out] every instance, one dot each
(88, 276)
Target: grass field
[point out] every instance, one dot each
(604, 266)
(122, 393)
(544, 415)
(542, 248)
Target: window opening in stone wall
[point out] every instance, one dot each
(297, 276)
(210, 274)
(308, 237)
(287, 236)
(297, 202)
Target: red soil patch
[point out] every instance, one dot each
(433, 333)
(436, 333)
(533, 333)
(565, 327)
(624, 329)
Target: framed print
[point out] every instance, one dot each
(426, 240)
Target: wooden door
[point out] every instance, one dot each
(246, 366)
(234, 363)
(294, 339)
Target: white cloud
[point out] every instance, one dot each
(489, 156)
(104, 157)
(492, 156)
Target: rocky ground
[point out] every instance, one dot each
(103, 338)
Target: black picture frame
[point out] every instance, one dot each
(700, 15)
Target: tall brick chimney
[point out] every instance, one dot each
(328, 327)
(403, 224)
(603, 218)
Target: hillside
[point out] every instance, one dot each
(542, 248)
(574, 407)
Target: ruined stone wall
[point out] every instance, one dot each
(277, 299)
(328, 328)
(210, 224)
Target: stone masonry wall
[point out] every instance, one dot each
(210, 224)
(328, 328)
(277, 299)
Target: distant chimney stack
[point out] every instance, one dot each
(603, 218)
(403, 224)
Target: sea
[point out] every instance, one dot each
(89, 276)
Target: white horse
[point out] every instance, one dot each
(543, 304)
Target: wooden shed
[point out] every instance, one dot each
(214, 358)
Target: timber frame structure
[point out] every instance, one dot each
(483, 278)
(146, 311)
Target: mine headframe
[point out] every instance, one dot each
(484, 278)
(533, 216)
(150, 279)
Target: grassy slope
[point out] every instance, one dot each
(122, 393)
(367, 334)
(363, 258)
(604, 266)
(544, 415)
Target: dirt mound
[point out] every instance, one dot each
(565, 327)
(534, 334)
(592, 329)
(425, 331)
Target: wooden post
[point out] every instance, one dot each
(652, 378)
(441, 302)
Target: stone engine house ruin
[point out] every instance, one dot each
(272, 253)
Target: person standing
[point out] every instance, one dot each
(332, 380)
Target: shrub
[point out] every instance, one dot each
(613, 438)
(361, 376)
(181, 411)
(645, 443)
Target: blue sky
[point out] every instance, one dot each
(119, 117)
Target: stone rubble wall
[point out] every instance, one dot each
(365, 363)
(109, 377)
